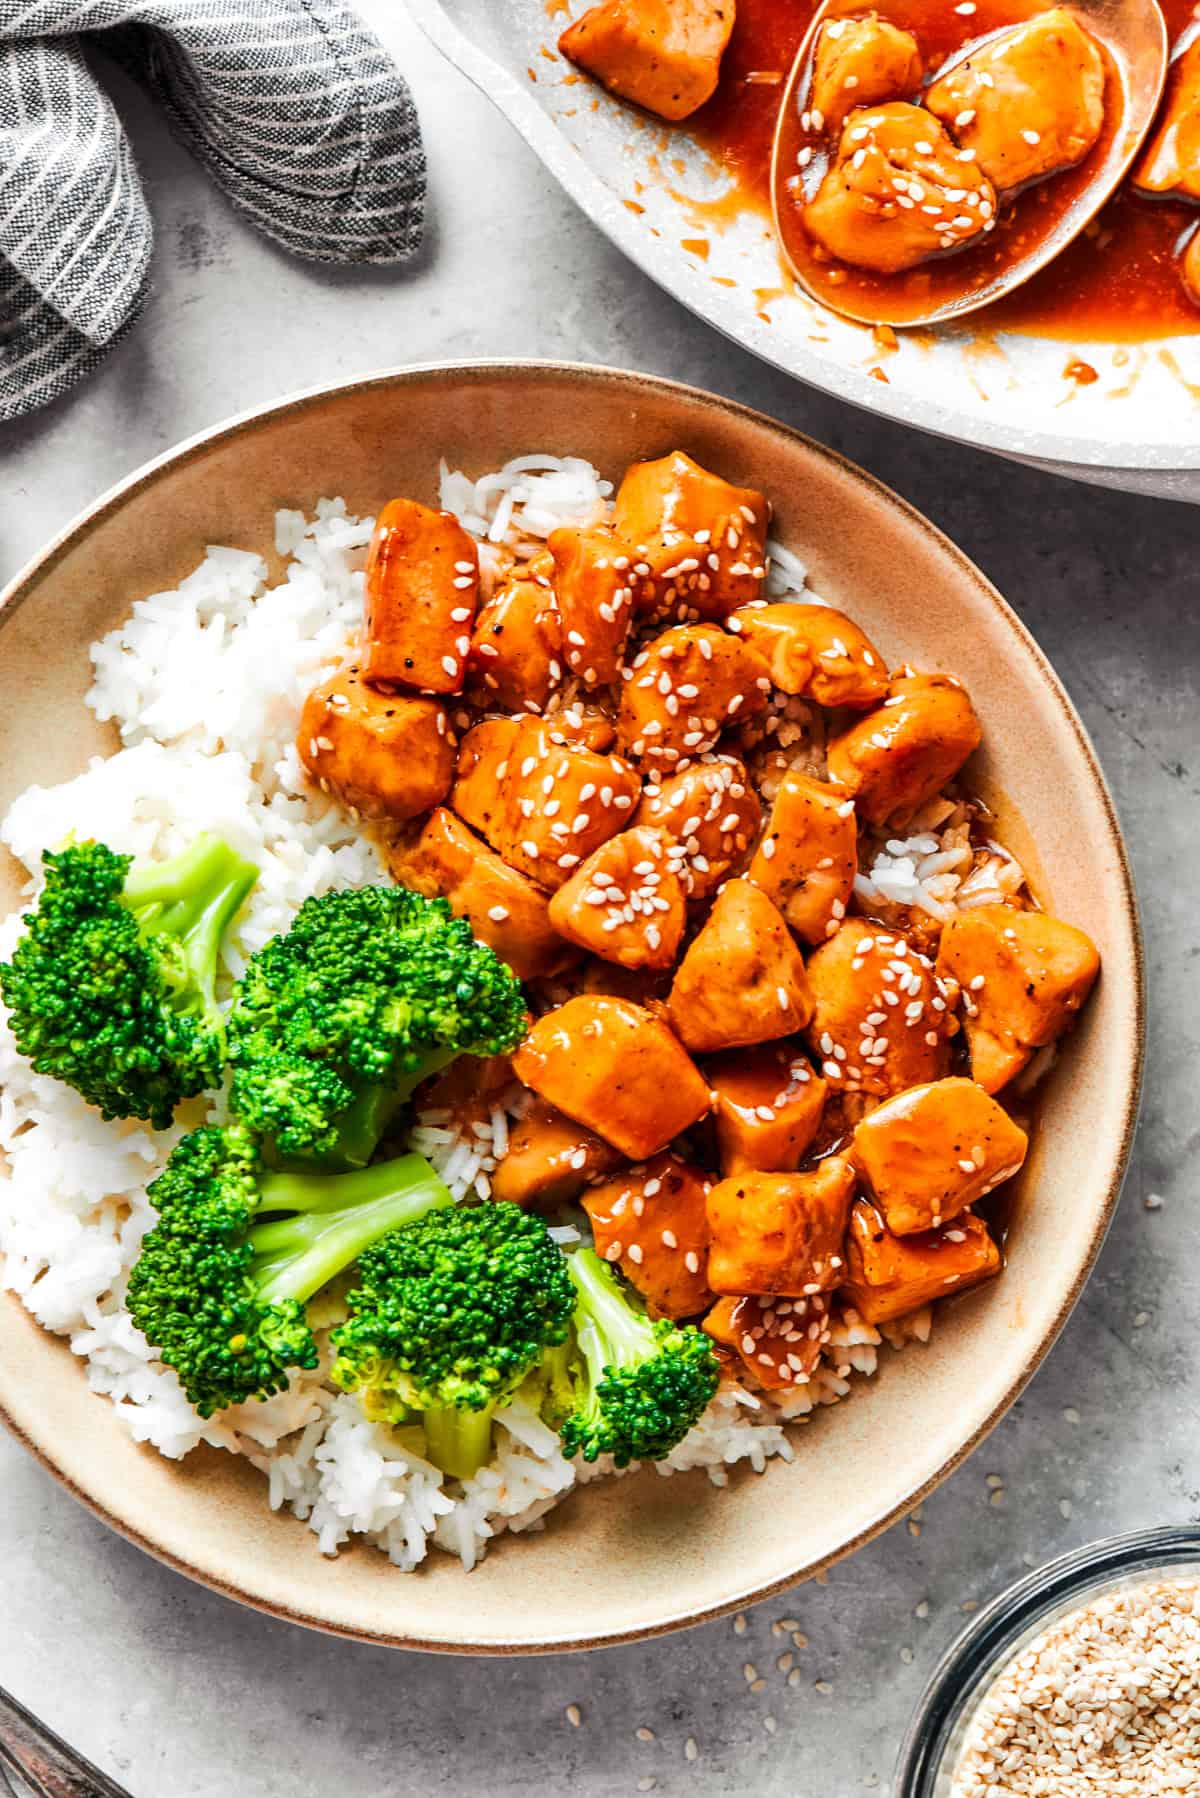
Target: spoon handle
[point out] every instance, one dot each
(34, 1761)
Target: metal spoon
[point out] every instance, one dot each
(35, 1763)
(1133, 34)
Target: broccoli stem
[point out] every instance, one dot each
(608, 1329)
(459, 1441)
(192, 897)
(361, 1127)
(333, 1220)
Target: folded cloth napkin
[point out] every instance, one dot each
(294, 108)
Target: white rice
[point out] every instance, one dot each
(937, 869)
(204, 684)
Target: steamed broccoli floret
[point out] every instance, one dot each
(643, 1384)
(336, 1022)
(221, 1295)
(112, 988)
(448, 1318)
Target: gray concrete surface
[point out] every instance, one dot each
(183, 1695)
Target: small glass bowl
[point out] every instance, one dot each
(935, 1736)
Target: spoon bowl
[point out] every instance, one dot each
(1132, 35)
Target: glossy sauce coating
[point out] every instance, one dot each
(1119, 280)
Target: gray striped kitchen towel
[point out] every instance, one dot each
(295, 109)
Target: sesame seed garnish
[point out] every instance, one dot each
(498, 913)
(573, 1715)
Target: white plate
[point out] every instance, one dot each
(1134, 428)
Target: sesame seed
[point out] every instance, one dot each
(692, 1262)
(574, 1715)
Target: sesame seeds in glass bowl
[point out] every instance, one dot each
(1081, 1681)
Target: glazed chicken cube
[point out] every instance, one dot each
(780, 1233)
(385, 755)
(480, 793)
(1028, 101)
(1024, 976)
(549, 1160)
(683, 690)
(583, 725)
(859, 62)
(566, 801)
(931, 1151)
(808, 856)
(888, 1276)
(881, 1018)
(664, 55)
(777, 1341)
(897, 758)
(504, 909)
(1170, 162)
(742, 980)
(422, 591)
(768, 1108)
(612, 1066)
(815, 652)
(653, 1221)
(700, 543)
(593, 586)
(626, 903)
(710, 815)
(516, 647)
(543, 805)
(898, 191)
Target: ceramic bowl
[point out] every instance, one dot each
(631, 1557)
(666, 204)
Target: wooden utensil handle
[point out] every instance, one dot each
(34, 1760)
